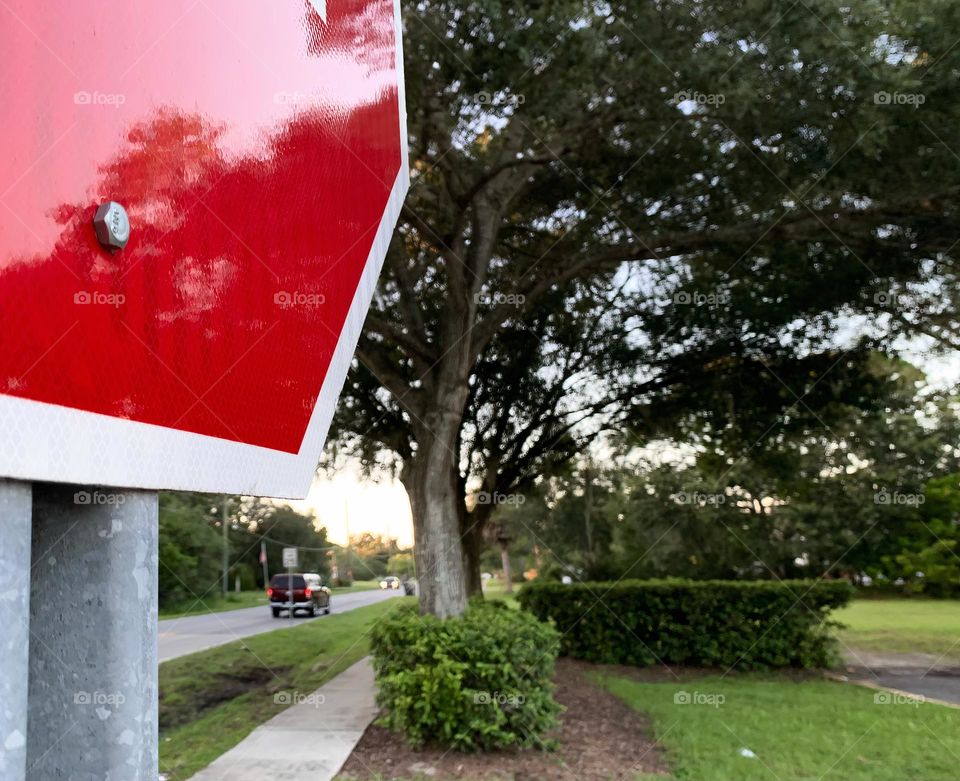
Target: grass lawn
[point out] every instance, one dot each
(906, 625)
(810, 730)
(358, 585)
(210, 701)
(494, 589)
(496, 586)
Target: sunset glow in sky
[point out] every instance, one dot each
(350, 501)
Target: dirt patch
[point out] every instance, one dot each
(679, 675)
(175, 711)
(659, 673)
(600, 738)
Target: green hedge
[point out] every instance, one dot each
(481, 681)
(739, 624)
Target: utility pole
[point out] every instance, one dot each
(588, 507)
(503, 537)
(226, 547)
(263, 561)
(346, 516)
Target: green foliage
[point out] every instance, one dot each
(286, 527)
(401, 565)
(552, 572)
(190, 548)
(191, 544)
(728, 624)
(480, 681)
(937, 564)
(367, 557)
(927, 561)
(247, 575)
(873, 491)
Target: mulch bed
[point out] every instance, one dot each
(600, 738)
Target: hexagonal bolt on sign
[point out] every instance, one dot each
(112, 225)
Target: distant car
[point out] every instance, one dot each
(390, 582)
(309, 594)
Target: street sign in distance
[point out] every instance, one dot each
(290, 558)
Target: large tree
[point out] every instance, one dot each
(864, 491)
(742, 172)
(839, 497)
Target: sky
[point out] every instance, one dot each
(348, 501)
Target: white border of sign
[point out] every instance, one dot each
(58, 444)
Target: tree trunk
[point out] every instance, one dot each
(430, 478)
(433, 481)
(507, 574)
(471, 532)
(588, 511)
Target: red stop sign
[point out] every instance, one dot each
(258, 150)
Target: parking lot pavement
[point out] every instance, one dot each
(920, 675)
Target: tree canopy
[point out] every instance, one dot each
(647, 217)
(875, 495)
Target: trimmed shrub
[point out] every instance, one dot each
(481, 681)
(746, 625)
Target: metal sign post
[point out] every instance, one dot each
(14, 626)
(164, 238)
(290, 561)
(93, 650)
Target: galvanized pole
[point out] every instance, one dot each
(346, 518)
(263, 559)
(14, 627)
(93, 649)
(226, 547)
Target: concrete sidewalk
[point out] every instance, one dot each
(309, 741)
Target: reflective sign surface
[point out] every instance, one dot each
(256, 148)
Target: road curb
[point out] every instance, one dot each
(839, 678)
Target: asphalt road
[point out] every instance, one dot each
(924, 675)
(181, 636)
